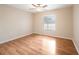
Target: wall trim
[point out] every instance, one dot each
(75, 46)
(14, 38)
(63, 37)
(55, 36)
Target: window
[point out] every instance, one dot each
(49, 23)
(49, 27)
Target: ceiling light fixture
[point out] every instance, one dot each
(39, 7)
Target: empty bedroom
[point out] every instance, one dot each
(39, 29)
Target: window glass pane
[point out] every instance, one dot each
(49, 23)
(45, 26)
(49, 19)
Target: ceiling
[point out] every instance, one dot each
(30, 8)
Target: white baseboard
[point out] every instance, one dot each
(55, 36)
(75, 46)
(64, 37)
(14, 38)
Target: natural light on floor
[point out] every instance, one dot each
(50, 45)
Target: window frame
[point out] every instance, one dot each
(53, 25)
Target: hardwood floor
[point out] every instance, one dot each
(36, 44)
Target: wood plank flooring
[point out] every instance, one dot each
(36, 44)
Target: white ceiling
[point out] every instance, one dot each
(30, 8)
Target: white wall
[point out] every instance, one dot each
(64, 24)
(76, 26)
(14, 23)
